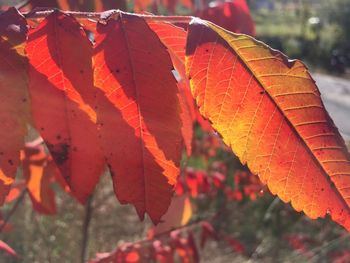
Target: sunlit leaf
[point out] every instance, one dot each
(269, 111)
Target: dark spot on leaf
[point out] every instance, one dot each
(10, 162)
(42, 128)
(322, 189)
(262, 92)
(59, 152)
(207, 50)
(81, 71)
(58, 137)
(24, 100)
(1, 153)
(117, 70)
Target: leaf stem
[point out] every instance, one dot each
(85, 229)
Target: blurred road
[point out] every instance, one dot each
(336, 97)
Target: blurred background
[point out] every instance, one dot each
(231, 216)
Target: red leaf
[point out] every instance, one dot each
(301, 243)
(7, 227)
(61, 82)
(192, 182)
(233, 15)
(138, 98)
(163, 253)
(174, 38)
(218, 179)
(235, 244)
(180, 186)
(7, 249)
(14, 106)
(193, 247)
(207, 232)
(341, 256)
(204, 123)
(186, 117)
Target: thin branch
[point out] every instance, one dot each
(85, 229)
(13, 209)
(40, 13)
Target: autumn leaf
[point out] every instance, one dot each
(142, 5)
(163, 253)
(186, 115)
(179, 214)
(15, 192)
(233, 15)
(174, 38)
(62, 91)
(6, 248)
(13, 83)
(137, 113)
(269, 111)
(39, 179)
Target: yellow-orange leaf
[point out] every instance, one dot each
(14, 109)
(137, 113)
(269, 111)
(62, 91)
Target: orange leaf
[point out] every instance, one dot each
(14, 109)
(269, 111)
(174, 38)
(15, 192)
(187, 107)
(138, 114)
(39, 180)
(61, 87)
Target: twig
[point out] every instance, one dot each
(323, 248)
(13, 209)
(39, 13)
(85, 229)
(272, 206)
